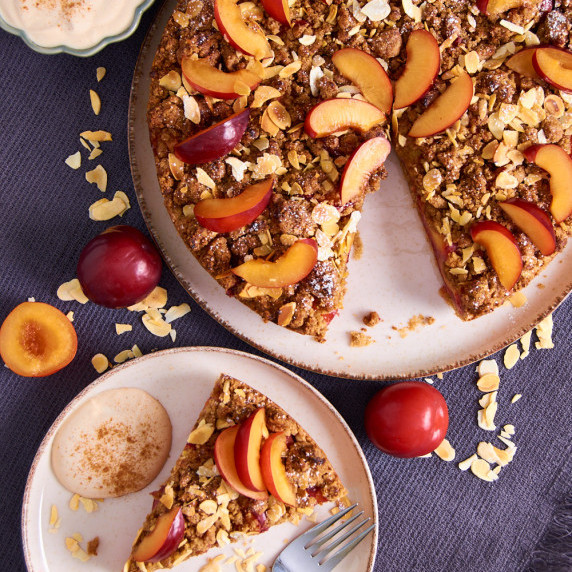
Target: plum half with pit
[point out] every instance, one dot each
(119, 267)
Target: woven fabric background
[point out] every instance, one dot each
(432, 516)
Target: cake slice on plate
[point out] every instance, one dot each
(247, 465)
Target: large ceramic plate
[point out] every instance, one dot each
(395, 276)
(182, 379)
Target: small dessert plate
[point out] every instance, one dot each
(182, 380)
(80, 28)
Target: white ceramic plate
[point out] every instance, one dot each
(182, 379)
(91, 26)
(396, 276)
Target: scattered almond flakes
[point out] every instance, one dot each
(123, 356)
(97, 176)
(487, 366)
(488, 382)
(100, 363)
(155, 323)
(74, 502)
(518, 299)
(95, 101)
(69, 316)
(104, 209)
(516, 397)
(74, 161)
(511, 356)
(72, 544)
(466, 464)
(100, 73)
(360, 340)
(201, 434)
(544, 333)
(525, 343)
(89, 505)
(72, 291)
(212, 564)
(122, 328)
(96, 135)
(176, 312)
(95, 153)
(481, 469)
(445, 451)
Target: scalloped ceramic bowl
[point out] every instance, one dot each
(80, 28)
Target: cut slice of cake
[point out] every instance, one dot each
(247, 466)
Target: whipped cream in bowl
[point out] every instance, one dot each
(77, 27)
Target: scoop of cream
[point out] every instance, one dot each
(113, 444)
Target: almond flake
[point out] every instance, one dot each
(136, 351)
(466, 464)
(377, 10)
(100, 363)
(176, 312)
(95, 101)
(176, 166)
(488, 382)
(238, 167)
(525, 343)
(268, 125)
(208, 506)
(53, 515)
(100, 73)
(481, 469)
(307, 40)
(97, 176)
(206, 523)
(95, 154)
(505, 180)
(74, 161)
(156, 299)
(286, 313)
(512, 27)
(445, 451)
(414, 12)
(105, 209)
(544, 333)
(123, 356)
(515, 397)
(201, 434)
(487, 452)
(487, 399)
(191, 109)
(181, 18)
(72, 291)
(316, 73)
(96, 135)
(472, 62)
(290, 69)
(487, 366)
(279, 115)
(156, 325)
(122, 328)
(509, 429)
(204, 179)
(511, 356)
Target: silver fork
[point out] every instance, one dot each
(306, 552)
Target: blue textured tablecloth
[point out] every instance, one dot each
(432, 516)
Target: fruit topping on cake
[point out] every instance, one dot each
(368, 74)
(446, 109)
(225, 215)
(247, 466)
(421, 68)
(207, 79)
(213, 142)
